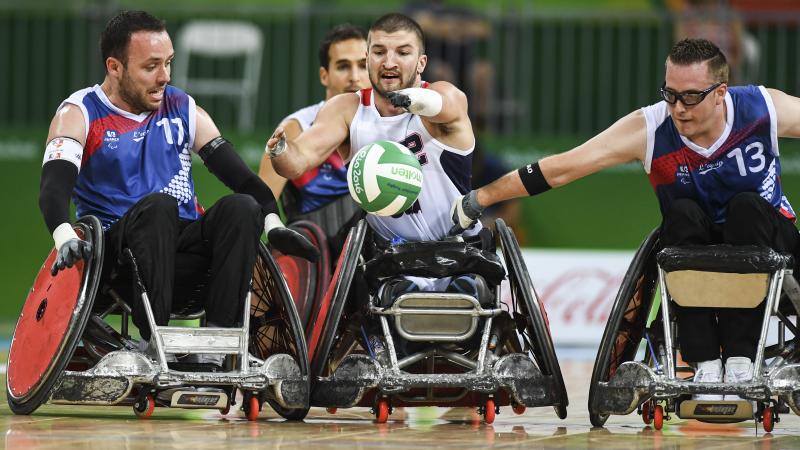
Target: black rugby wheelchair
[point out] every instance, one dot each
(68, 349)
(638, 365)
(457, 350)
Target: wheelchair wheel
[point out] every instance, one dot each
(324, 324)
(535, 332)
(274, 324)
(51, 323)
(307, 281)
(626, 323)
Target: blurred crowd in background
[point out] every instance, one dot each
(540, 75)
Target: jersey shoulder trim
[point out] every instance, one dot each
(76, 98)
(654, 116)
(773, 119)
(366, 96)
(192, 121)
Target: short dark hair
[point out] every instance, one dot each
(339, 33)
(691, 51)
(116, 36)
(392, 22)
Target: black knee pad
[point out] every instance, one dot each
(239, 204)
(393, 289)
(747, 203)
(474, 285)
(159, 199)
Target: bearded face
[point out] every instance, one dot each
(394, 61)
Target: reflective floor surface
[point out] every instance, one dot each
(56, 427)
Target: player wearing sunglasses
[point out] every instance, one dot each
(711, 153)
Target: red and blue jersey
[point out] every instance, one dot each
(324, 183)
(743, 159)
(128, 156)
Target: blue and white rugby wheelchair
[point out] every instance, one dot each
(66, 351)
(637, 366)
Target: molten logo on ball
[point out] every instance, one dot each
(384, 178)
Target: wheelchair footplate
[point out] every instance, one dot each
(716, 411)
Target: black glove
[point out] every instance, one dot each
(465, 212)
(398, 100)
(70, 253)
(290, 242)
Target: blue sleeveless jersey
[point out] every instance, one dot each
(128, 156)
(322, 184)
(744, 158)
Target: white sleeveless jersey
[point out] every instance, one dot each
(306, 116)
(446, 172)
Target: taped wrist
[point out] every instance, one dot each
(533, 179)
(471, 207)
(62, 234)
(55, 187)
(222, 160)
(272, 221)
(424, 102)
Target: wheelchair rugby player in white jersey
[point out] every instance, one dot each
(435, 334)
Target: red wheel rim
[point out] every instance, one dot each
(658, 417)
(42, 327)
(518, 409)
(291, 270)
(149, 407)
(253, 410)
(489, 414)
(383, 412)
(331, 410)
(768, 420)
(318, 323)
(646, 413)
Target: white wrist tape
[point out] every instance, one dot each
(64, 148)
(424, 102)
(63, 233)
(271, 222)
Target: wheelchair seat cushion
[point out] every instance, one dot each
(434, 259)
(723, 258)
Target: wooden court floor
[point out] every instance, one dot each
(57, 427)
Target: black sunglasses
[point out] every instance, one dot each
(690, 98)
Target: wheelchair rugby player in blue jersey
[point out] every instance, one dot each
(143, 247)
(722, 256)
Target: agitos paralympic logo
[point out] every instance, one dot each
(111, 138)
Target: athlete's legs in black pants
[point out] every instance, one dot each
(227, 235)
(751, 220)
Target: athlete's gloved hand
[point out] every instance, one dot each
(421, 101)
(398, 99)
(288, 241)
(465, 212)
(70, 253)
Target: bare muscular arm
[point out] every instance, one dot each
(331, 128)
(624, 141)
(787, 108)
